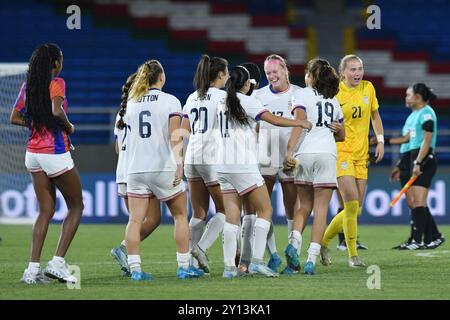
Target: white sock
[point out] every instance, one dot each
(229, 243)
(271, 244)
(261, 230)
(248, 222)
(212, 231)
(295, 238)
(183, 259)
(34, 267)
(59, 260)
(123, 243)
(196, 227)
(313, 252)
(134, 262)
(290, 224)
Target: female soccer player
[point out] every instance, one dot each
(153, 217)
(201, 158)
(279, 97)
(42, 106)
(316, 155)
(424, 165)
(154, 168)
(238, 172)
(359, 104)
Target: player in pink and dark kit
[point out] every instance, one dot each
(42, 106)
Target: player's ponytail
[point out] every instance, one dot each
(147, 75)
(39, 76)
(425, 92)
(123, 104)
(207, 71)
(235, 112)
(323, 77)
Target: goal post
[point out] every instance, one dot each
(14, 179)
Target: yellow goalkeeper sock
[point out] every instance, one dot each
(333, 228)
(350, 226)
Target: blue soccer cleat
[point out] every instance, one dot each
(191, 272)
(289, 271)
(309, 268)
(292, 258)
(274, 262)
(120, 255)
(141, 276)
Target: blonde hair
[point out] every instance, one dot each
(282, 61)
(344, 61)
(147, 75)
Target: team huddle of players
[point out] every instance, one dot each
(240, 139)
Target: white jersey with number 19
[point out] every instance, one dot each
(148, 148)
(320, 112)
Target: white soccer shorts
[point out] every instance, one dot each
(53, 165)
(153, 184)
(317, 169)
(241, 183)
(199, 172)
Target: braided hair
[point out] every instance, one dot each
(123, 104)
(39, 75)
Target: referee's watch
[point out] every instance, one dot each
(417, 163)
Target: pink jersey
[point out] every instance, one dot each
(45, 142)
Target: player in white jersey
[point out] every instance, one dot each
(154, 167)
(200, 120)
(238, 172)
(317, 155)
(153, 217)
(279, 96)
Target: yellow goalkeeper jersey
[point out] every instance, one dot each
(357, 104)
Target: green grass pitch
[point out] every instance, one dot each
(420, 274)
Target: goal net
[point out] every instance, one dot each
(14, 179)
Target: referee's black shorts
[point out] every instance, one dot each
(405, 167)
(429, 169)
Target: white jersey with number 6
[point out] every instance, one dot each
(205, 135)
(148, 148)
(320, 112)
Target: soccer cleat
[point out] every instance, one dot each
(120, 255)
(201, 258)
(325, 256)
(309, 268)
(342, 246)
(59, 271)
(355, 262)
(141, 276)
(289, 271)
(190, 272)
(413, 245)
(262, 269)
(292, 258)
(38, 278)
(435, 243)
(402, 245)
(274, 262)
(230, 272)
